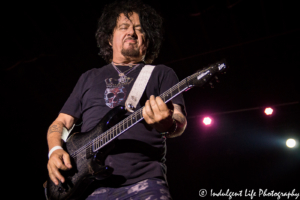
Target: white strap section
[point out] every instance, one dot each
(66, 133)
(138, 88)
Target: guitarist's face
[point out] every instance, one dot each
(128, 41)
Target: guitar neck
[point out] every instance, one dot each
(137, 116)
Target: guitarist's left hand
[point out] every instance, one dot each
(158, 114)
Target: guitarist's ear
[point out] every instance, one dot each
(110, 41)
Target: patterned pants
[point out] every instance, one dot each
(149, 189)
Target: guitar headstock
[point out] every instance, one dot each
(205, 75)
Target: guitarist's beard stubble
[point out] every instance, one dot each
(131, 52)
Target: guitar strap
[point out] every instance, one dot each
(138, 88)
(66, 133)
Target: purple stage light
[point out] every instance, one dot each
(207, 121)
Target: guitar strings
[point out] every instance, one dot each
(129, 118)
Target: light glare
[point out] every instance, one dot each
(269, 111)
(207, 120)
(291, 143)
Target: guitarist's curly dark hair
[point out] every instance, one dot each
(151, 23)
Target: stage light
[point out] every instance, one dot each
(207, 121)
(269, 111)
(291, 143)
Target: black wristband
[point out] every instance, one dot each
(172, 129)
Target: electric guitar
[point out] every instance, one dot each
(88, 150)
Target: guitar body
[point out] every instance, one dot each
(87, 166)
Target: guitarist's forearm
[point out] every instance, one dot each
(56, 129)
(54, 134)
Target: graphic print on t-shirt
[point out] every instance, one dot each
(115, 91)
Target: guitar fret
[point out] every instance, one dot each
(183, 85)
(97, 143)
(139, 115)
(168, 94)
(126, 124)
(129, 121)
(120, 127)
(163, 97)
(173, 90)
(110, 135)
(118, 130)
(133, 118)
(115, 131)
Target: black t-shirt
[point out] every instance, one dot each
(139, 153)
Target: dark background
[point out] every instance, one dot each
(46, 46)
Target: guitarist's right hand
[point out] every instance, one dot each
(59, 159)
